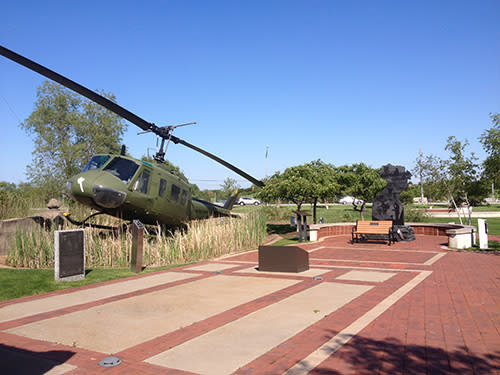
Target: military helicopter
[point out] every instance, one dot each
(130, 188)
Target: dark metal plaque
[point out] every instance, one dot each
(283, 259)
(69, 254)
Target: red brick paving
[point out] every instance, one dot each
(447, 324)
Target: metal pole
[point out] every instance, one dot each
(305, 227)
(267, 153)
(299, 224)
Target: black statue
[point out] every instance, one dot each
(386, 205)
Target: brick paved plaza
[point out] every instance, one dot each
(409, 308)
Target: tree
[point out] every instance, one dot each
(301, 184)
(459, 175)
(408, 194)
(467, 187)
(324, 181)
(228, 187)
(490, 139)
(428, 169)
(361, 182)
(67, 130)
(291, 185)
(419, 171)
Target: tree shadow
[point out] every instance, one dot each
(390, 356)
(16, 361)
(280, 229)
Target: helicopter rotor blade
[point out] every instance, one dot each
(219, 160)
(89, 94)
(119, 110)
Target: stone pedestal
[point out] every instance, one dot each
(461, 238)
(283, 259)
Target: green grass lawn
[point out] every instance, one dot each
(334, 213)
(486, 207)
(493, 223)
(26, 282)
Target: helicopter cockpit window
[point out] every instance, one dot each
(96, 162)
(142, 182)
(174, 193)
(124, 169)
(163, 187)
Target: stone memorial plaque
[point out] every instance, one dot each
(69, 253)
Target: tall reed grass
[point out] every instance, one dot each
(199, 240)
(14, 205)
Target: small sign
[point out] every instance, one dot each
(137, 246)
(69, 255)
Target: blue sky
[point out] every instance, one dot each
(345, 82)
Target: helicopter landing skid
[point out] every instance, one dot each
(84, 223)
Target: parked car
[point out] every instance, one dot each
(350, 200)
(244, 201)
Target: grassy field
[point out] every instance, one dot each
(332, 214)
(493, 223)
(26, 282)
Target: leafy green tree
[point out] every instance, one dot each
(490, 139)
(407, 195)
(206, 194)
(464, 174)
(324, 183)
(195, 190)
(361, 182)
(67, 130)
(228, 187)
(307, 183)
(293, 185)
(419, 170)
(428, 169)
(459, 175)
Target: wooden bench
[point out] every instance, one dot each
(372, 227)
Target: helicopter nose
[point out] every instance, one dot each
(79, 187)
(107, 197)
(97, 189)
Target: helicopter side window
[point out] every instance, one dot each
(174, 193)
(163, 187)
(142, 183)
(184, 197)
(96, 162)
(124, 169)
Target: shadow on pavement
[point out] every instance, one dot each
(14, 361)
(391, 356)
